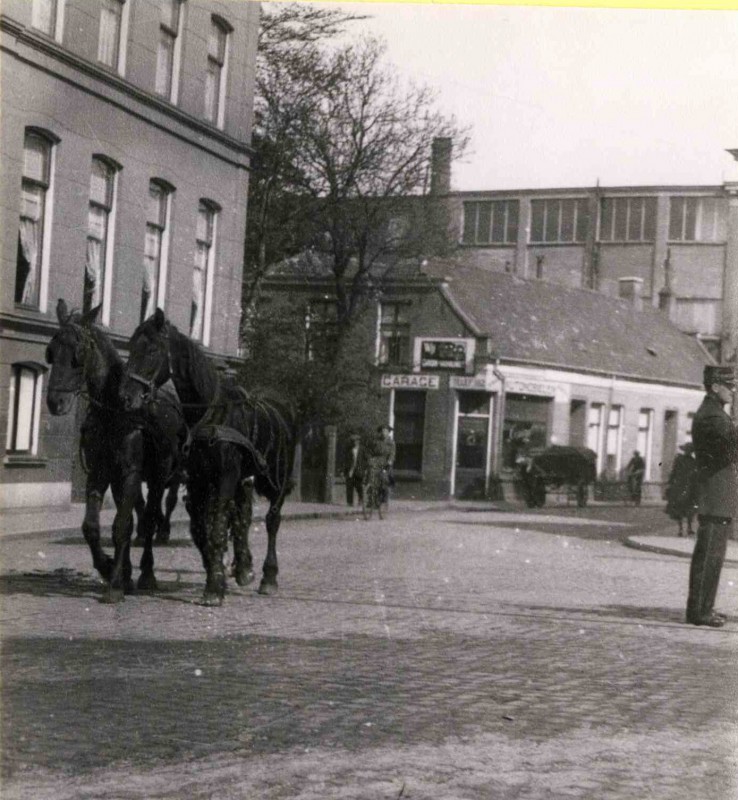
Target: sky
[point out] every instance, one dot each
(558, 97)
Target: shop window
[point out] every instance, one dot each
(31, 261)
(202, 274)
(321, 330)
(99, 245)
(47, 16)
(168, 53)
(614, 440)
(628, 219)
(558, 221)
(473, 431)
(24, 409)
(491, 222)
(394, 334)
(216, 71)
(409, 424)
(111, 42)
(156, 248)
(697, 219)
(525, 427)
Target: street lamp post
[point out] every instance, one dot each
(730, 294)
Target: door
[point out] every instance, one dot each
(472, 444)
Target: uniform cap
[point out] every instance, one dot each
(719, 374)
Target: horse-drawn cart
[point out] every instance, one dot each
(558, 467)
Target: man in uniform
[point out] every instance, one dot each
(715, 440)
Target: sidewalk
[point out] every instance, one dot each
(676, 546)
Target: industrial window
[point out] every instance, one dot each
(47, 16)
(216, 74)
(202, 274)
(491, 222)
(168, 54)
(156, 247)
(394, 334)
(24, 408)
(34, 213)
(321, 329)
(628, 219)
(409, 423)
(111, 41)
(697, 219)
(99, 251)
(558, 221)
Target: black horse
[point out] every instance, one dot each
(118, 449)
(237, 441)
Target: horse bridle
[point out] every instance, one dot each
(150, 385)
(85, 339)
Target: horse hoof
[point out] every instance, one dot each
(267, 588)
(113, 596)
(211, 600)
(244, 578)
(147, 583)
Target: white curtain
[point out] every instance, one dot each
(198, 290)
(109, 24)
(29, 245)
(93, 270)
(150, 271)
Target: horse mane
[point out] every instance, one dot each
(189, 362)
(109, 355)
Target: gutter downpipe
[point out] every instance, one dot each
(499, 420)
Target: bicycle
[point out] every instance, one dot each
(375, 491)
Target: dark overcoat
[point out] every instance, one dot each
(715, 440)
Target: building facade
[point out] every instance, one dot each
(125, 153)
(476, 366)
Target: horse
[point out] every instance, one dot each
(118, 449)
(238, 441)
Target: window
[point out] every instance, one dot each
(47, 17)
(215, 77)
(409, 424)
(110, 43)
(102, 192)
(594, 431)
(394, 334)
(697, 219)
(525, 427)
(628, 219)
(34, 216)
(155, 249)
(321, 327)
(24, 409)
(614, 438)
(473, 430)
(559, 220)
(491, 222)
(643, 442)
(167, 59)
(203, 272)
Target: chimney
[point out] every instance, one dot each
(441, 165)
(631, 289)
(667, 302)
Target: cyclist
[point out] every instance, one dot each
(381, 452)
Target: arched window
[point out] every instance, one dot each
(24, 408)
(98, 260)
(156, 247)
(33, 233)
(217, 70)
(204, 269)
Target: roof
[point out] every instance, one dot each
(578, 329)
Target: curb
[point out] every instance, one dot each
(666, 551)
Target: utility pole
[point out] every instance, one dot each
(730, 291)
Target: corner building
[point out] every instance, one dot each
(125, 153)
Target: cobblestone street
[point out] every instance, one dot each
(442, 654)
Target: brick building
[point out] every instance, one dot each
(125, 155)
(474, 365)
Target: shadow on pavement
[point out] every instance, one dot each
(644, 613)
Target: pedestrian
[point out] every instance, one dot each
(382, 452)
(634, 473)
(681, 489)
(352, 469)
(715, 441)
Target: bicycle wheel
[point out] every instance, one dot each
(367, 500)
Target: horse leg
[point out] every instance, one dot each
(152, 515)
(242, 514)
(140, 509)
(216, 544)
(96, 487)
(125, 490)
(165, 525)
(270, 569)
